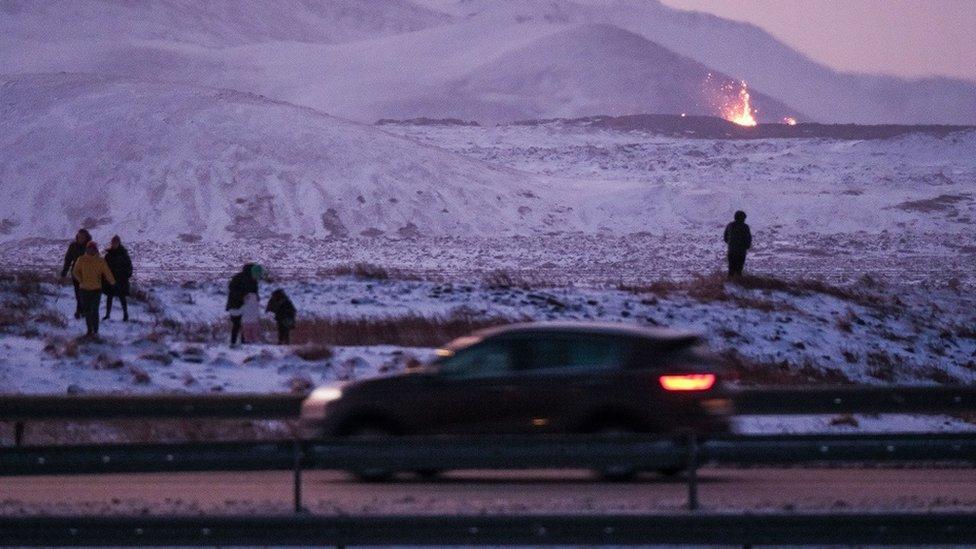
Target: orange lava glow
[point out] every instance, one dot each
(739, 110)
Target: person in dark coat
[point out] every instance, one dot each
(284, 312)
(739, 238)
(241, 284)
(120, 264)
(75, 250)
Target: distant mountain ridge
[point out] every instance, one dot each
(748, 52)
(374, 59)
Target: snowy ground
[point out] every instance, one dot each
(767, 331)
(595, 207)
(885, 224)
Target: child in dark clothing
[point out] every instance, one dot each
(284, 312)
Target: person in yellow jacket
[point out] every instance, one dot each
(90, 270)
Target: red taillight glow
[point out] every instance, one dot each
(687, 382)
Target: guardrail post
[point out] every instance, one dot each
(19, 433)
(692, 472)
(298, 452)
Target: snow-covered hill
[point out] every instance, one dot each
(491, 71)
(581, 69)
(213, 23)
(748, 52)
(160, 161)
(634, 181)
(157, 161)
(495, 59)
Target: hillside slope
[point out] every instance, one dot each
(496, 69)
(750, 53)
(214, 23)
(154, 161)
(583, 69)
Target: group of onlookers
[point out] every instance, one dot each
(243, 306)
(92, 275)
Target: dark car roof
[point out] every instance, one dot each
(666, 337)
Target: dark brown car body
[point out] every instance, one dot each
(535, 378)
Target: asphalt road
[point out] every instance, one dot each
(493, 492)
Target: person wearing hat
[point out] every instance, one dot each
(243, 283)
(739, 238)
(90, 270)
(75, 250)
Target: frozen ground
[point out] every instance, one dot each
(584, 206)
(766, 331)
(608, 225)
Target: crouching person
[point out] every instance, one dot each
(284, 312)
(89, 271)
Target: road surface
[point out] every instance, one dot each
(493, 492)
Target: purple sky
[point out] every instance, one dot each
(901, 37)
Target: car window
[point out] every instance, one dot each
(484, 360)
(576, 353)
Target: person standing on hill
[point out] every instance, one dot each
(241, 284)
(120, 264)
(91, 271)
(739, 238)
(75, 250)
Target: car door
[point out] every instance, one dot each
(562, 378)
(468, 395)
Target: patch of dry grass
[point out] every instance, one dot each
(502, 279)
(313, 336)
(748, 371)
(406, 330)
(714, 288)
(313, 352)
(370, 271)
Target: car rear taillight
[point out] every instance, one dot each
(687, 382)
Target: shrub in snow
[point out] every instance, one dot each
(139, 375)
(300, 384)
(312, 352)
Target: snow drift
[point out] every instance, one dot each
(152, 160)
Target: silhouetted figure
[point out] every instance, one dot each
(241, 284)
(120, 264)
(284, 312)
(91, 272)
(75, 250)
(739, 238)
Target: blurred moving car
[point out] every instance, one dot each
(537, 378)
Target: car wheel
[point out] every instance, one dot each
(616, 473)
(369, 432)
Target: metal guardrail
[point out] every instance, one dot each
(769, 400)
(90, 407)
(855, 399)
(413, 453)
(684, 528)
(527, 452)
